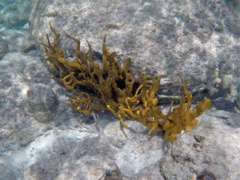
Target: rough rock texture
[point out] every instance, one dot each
(64, 144)
(199, 39)
(42, 138)
(14, 27)
(19, 40)
(3, 48)
(14, 13)
(211, 151)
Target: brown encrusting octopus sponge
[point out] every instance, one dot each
(110, 86)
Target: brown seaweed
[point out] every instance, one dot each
(111, 86)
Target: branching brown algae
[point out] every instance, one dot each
(110, 86)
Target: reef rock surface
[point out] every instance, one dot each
(199, 39)
(42, 138)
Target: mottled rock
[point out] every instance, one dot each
(42, 102)
(15, 13)
(14, 27)
(136, 151)
(162, 38)
(210, 151)
(19, 40)
(66, 148)
(19, 102)
(3, 48)
(199, 39)
(7, 169)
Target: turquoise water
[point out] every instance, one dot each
(14, 14)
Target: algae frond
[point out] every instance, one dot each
(111, 86)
